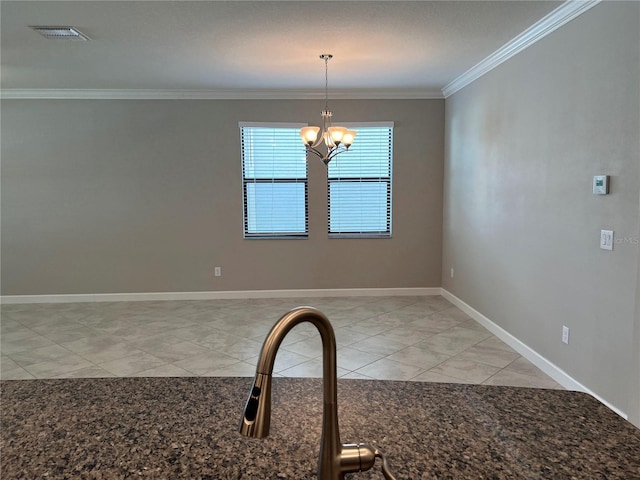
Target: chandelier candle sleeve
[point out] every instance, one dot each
(336, 139)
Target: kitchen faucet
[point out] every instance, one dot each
(336, 459)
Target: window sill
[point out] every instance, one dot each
(359, 235)
(276, 237)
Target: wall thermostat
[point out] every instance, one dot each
(601, 184)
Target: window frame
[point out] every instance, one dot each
(388, 180)
(246, 181)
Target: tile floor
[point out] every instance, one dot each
(386, 338)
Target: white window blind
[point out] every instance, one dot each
(274, 181)
(359, 185)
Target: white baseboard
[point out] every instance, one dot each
(219, 295)
(555, 372)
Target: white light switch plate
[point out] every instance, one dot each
(600, 184)
(606, 239)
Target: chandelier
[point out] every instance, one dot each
(336, 139)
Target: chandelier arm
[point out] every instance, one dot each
(333, 154)
(315, 152)
(330, 157)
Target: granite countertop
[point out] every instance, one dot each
(174, 428)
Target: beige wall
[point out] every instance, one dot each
(103, 196)
(521, 226)
(634, 409)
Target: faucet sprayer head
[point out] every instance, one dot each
(257, 412)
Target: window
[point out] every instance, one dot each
(274, 181)
(359, 185)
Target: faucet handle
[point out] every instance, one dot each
(361, 457)
(385, 466)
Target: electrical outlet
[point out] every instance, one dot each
(452, 273)
(565, 334)
(217, 272)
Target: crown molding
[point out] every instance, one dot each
(217, 94)
(551, 22)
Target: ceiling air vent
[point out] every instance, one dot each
(60, 33)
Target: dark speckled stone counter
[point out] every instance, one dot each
(171, 428)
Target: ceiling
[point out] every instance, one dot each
(250, 46)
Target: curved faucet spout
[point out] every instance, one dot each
(335, 458)
(283, 327)
(256, 419)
